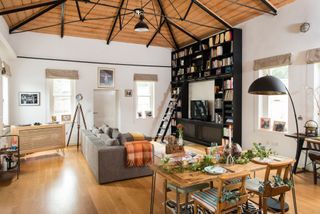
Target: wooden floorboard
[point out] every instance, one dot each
(53, 183)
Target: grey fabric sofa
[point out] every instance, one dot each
(108, 163)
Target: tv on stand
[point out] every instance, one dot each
(200, 110)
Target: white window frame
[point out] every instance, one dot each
(152, 100)
(51, 99)
(263, 105)
(5, 101)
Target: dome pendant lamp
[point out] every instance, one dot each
(141, 26)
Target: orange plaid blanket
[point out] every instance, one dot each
(139, 153)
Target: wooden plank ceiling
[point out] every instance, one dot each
(97, 17)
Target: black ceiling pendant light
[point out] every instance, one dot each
(270, 85)
(141, 26)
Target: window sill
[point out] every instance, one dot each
(145, 118)
(271, 131)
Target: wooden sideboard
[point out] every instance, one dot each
(40, 138)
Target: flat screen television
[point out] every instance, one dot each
(199, 110)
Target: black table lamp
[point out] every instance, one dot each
(270, 85)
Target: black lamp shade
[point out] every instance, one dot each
(141, 26)
(267, 85)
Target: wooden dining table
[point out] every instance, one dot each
(190, 178)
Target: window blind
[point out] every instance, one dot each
(62, 74)
(313, 56)
(5, 69)
(274, 61)
(145, 77)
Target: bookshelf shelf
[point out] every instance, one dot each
(218, 58)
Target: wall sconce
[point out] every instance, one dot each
(304, 27)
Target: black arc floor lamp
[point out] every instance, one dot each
(270, 85)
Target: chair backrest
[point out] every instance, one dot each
(233, 183)
(280, 170)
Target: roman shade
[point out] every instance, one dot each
(62, 74)
(145, 77)
(5, 69)
(313, 56)
(274, 61)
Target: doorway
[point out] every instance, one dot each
(105, 108)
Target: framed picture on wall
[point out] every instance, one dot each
(279, 126)
(105, 77)
(265, 123)
(29, 98)
(128, 92)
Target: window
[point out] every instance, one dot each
(145, 99)
(62, 97)
(5, 97)
(273, 110)
(316, 92)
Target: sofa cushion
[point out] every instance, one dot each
(95, 131)
(109, 141)
(104, 128)
(128, 137)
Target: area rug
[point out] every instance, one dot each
(171, 205)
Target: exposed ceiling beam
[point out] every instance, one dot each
(62, 20)
(250, 7)
(114, 22)
(188, 10)
(156, 32)
(78, 9)
(169, 26)
(183, 30)
(34, 16)
(27, 7)
(211, 13)
(270, 6)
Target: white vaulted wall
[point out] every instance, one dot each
(29, 74)
(267, 36)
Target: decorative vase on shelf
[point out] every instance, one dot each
(180, 140)
(180, 133)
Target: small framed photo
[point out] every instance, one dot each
(265, 123)
(148, 114)
(105, 77)
(139, 114)
(29, 98)
(279, 126)
(65, 117)
(128, 92)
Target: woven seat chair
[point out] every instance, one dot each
(315, 158)
(267, 189)
(215, 199)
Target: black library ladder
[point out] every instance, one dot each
(168, 115)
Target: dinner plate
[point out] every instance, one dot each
(215, 170)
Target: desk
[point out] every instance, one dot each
(300, 142)
(186, 179)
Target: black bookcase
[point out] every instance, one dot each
(218, 58)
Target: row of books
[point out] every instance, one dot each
(223, 62)
(228, 84)
(220, 38)
(228, 96)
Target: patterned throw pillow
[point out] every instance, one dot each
(109, 141)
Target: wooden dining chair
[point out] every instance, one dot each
(228, 194)
(269, 188)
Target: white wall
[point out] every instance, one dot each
(29, 74)
(273, 35)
